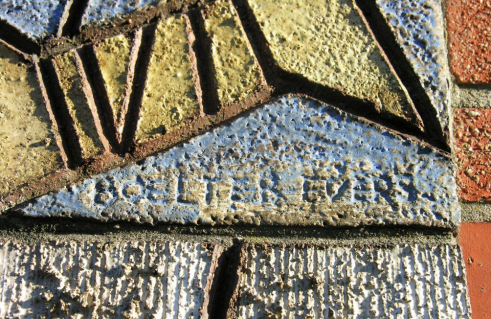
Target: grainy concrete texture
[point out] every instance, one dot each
(419, 28)
(93, 279)
(292, 162)
(169, 97)
(329, 44)
(473, 153)
(28, 145)
(469, 34)
(476, 212)
(36, 19)
(471, 96)
(475, 240)
(236, 71)
(351, 282)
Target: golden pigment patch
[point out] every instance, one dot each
(28, 145)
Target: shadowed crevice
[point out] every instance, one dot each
(17, 39)
(203, 50)
(225, 282)
(141, 70)
(402, 67)
(75, 15)
(59, 107)
(96, 82)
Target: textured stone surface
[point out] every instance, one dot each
(328, 43)
(35, 18)
(471, 97)
(27, 143)
(104, 279)
(473, 153)
(237, 72)
(68, 70)
(117, 67)
(475, 240)
(293, 162)
(169, 97)
(101, 11)
(352, 282)
(419, 29)
(476, 212)
(469, 34)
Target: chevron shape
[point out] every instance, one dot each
(174, 82)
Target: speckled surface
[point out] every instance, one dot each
(113, 56)
(236, 71)
(352, 282)
(94, 279)
(420, 31)
(473, 153)
(35, 18)
(27, 141)
(328, 43)
(292, 162)
(469, 35)
(101, 11)
(169, 96)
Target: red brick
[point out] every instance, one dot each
(475, 240)
(473, 152)
(469, 32)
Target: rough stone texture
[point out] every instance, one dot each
(475, 240)
(35, 18)
(133, 279)
(237, 72)
(419, 29)
(471, 97)
(68, 70)
(328, 43)
(473, 153)
(169, 97)
(469, 34)
(476, 212)
(27, 142)
(102, 11)
(293, 162)
(117, 67)
(352, 282)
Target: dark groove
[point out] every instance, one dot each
(96, 82)
(64, 121)
(139, 80)
(74, 21)
(285, 82)
(258, 42)
(17, 39)
(387, 40)
(203, 49)
(225, 281)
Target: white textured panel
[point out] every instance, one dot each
(104, 280)
(352, 282)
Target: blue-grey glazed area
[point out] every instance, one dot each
(35, 18)
(420, 31)
(103, 11)
(292, 162)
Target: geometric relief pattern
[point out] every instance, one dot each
(186, 67)
(292, 162)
